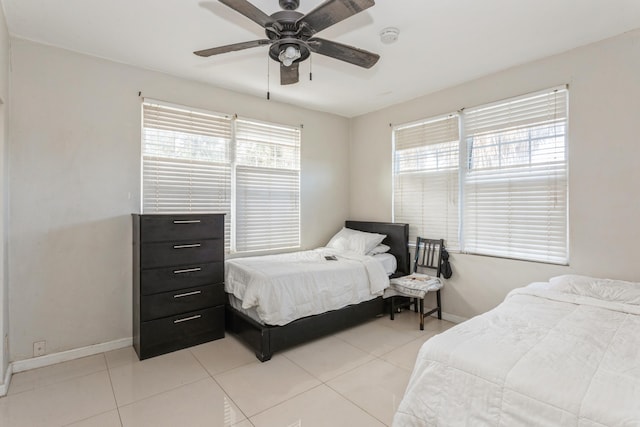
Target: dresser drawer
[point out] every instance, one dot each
(159, 228)
(182, 301)
(165, 279)
(173, 333)
(186, 252)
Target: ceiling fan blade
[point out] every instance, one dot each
(231, 47)
(333, 11)
(349, 54)
(250, 11)
(289, 75)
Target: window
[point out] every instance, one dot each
(515, 189)
(267, 186)
(426, 178)
(197, 161)
(512, 185)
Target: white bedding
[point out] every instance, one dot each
(286, 287)
(565, 353)
(388, 261)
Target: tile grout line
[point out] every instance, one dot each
(87, 418)
(286, 400)
(161, 392)
(294, 396)
(220, 385)
(325, 383)
(115, 400)
(356, 405)
(339, 375)
(62, 381)
(298, 394)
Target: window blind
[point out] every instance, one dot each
(515, 187)
(197, 161)
(267, 186)
(425, 187)
(185, 162)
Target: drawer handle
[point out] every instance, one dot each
(193, 245)
(187, 294)
(186, 319)
(187, 270)
(186, 221)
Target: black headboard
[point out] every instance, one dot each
(397, 238)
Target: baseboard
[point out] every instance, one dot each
(64, 356)
(4, 387)
(452, 318)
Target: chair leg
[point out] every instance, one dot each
(421, 314)
(393, 308)
(415, 305)
(439, 304)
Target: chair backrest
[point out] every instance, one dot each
(428, 254)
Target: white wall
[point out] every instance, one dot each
(4, 112)
(75, 180)
(74, 177)
(604, 200)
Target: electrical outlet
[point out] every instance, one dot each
(39, 348)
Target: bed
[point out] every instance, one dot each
(564, 352)
(276, 334)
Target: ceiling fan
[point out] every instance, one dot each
(290, 34)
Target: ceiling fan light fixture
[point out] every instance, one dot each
(389, 35)
(288, 55)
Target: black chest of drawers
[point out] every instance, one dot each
(178, 281)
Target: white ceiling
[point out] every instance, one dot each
(442, 42)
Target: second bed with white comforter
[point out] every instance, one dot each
(563, 353)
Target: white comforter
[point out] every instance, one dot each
(565, 353)
(286, 287)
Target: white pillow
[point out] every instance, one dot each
(380, 249)
(604, 289)
(360, 242)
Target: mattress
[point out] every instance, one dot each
(565, 352)
(286, 287)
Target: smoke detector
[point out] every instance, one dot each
(389, 35)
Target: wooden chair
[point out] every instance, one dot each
(428, 256)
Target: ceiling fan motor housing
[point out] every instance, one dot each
(289, 4)
(286, 26)
(289, 34)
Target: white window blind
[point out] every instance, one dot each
(268, 186)
(185, 161)
(498, 186)
(196, 161)
(426, 163)
(515, 188)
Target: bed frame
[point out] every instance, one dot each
(266, 340)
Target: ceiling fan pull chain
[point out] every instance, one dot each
(310, 69)
(268, 80)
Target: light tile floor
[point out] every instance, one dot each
(353, 378)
